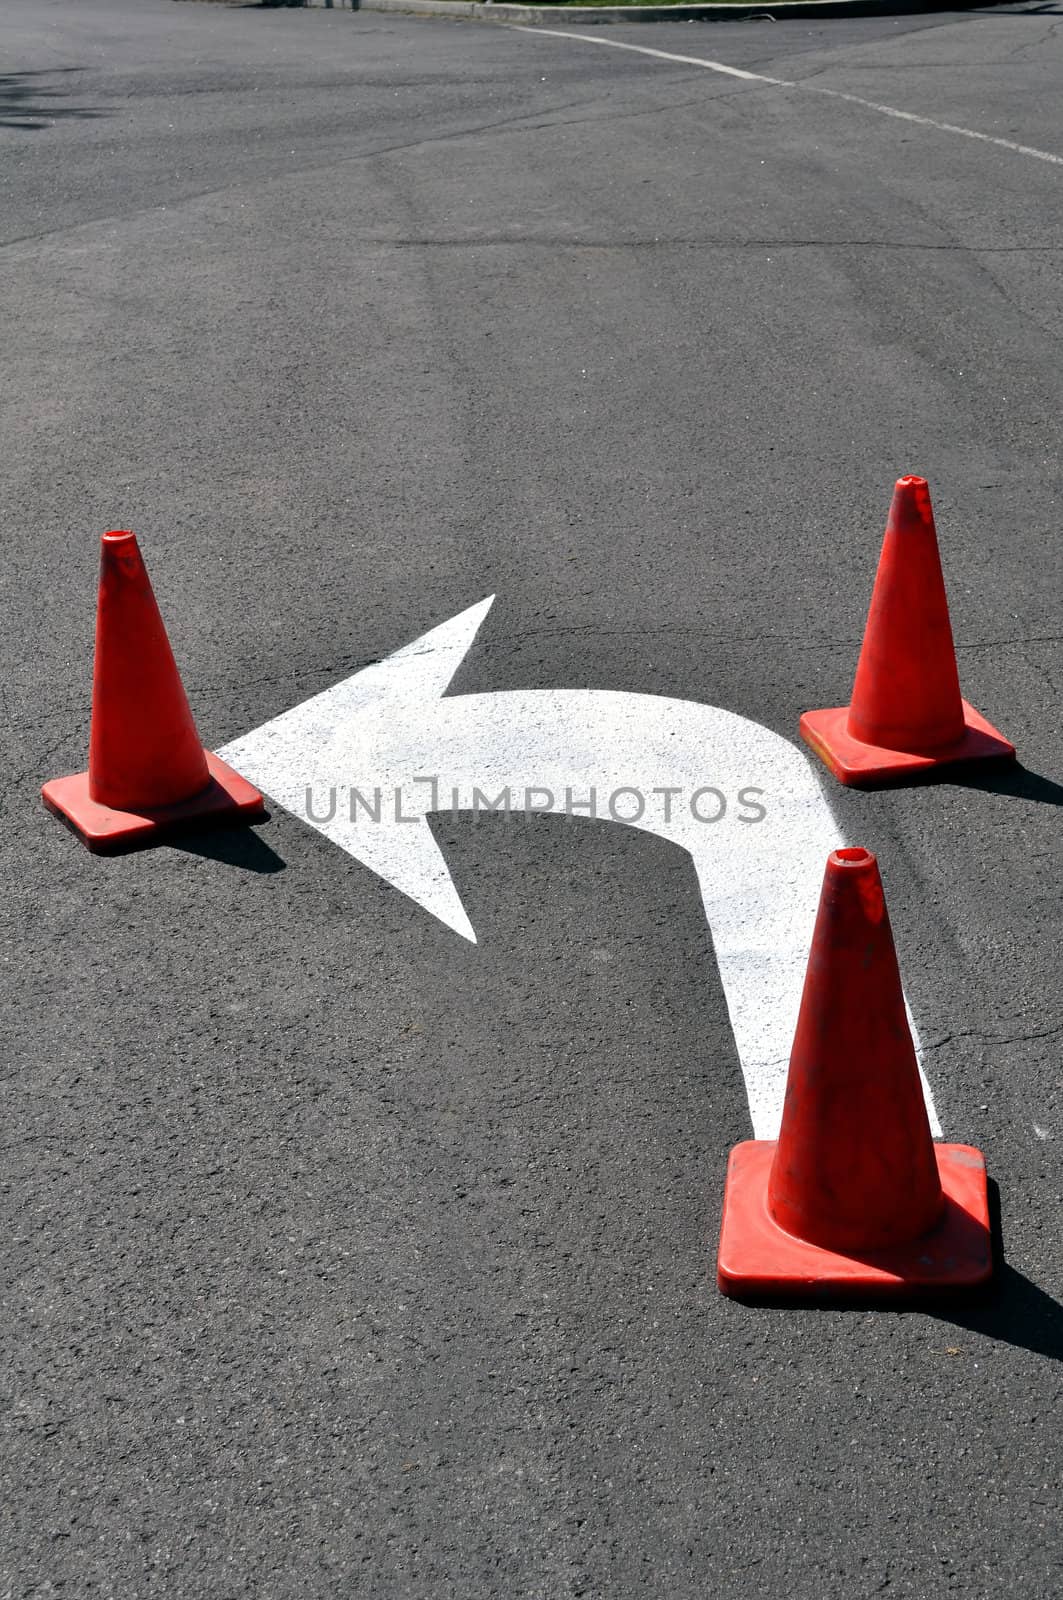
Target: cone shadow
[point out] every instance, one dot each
(986, 773)
(233, 847)
(1014, 1312)
(1008, 778)
(1002, 775)
(1011, 1309)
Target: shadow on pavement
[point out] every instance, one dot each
(1016, 1312)
(1011, 778)
(1013, 1309)
(26, 102)
(234, 847)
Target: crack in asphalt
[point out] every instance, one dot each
(344, 666)
(726, 92)
(907, 69)
(994, 1038)
(1031, 44)
(1009, 300)
(1003, 644)
(656, 242)
(254, 180)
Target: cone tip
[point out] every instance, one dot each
(852, 876)
(852, 857)
(120, 553)
(911, 498)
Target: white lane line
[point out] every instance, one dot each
(367, 761)
(942, 127)
(807, 88)
(662, 55)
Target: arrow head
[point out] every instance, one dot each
(314, 760)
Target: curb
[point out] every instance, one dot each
(500, 11)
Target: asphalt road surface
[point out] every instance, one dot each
(345, 1256)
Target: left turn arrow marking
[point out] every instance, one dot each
(367, 761)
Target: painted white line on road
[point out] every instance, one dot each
(661, 55)
(807, 88)
(387, 736)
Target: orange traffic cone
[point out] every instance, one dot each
(853, 1199)
(906, 715)
(148, 773)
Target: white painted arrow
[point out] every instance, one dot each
(367, 761)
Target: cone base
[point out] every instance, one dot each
(864, 765)
(759, 1261)
(105, 830)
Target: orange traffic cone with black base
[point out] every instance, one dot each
(854, 1200)
(907, 717)
(148, 774)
